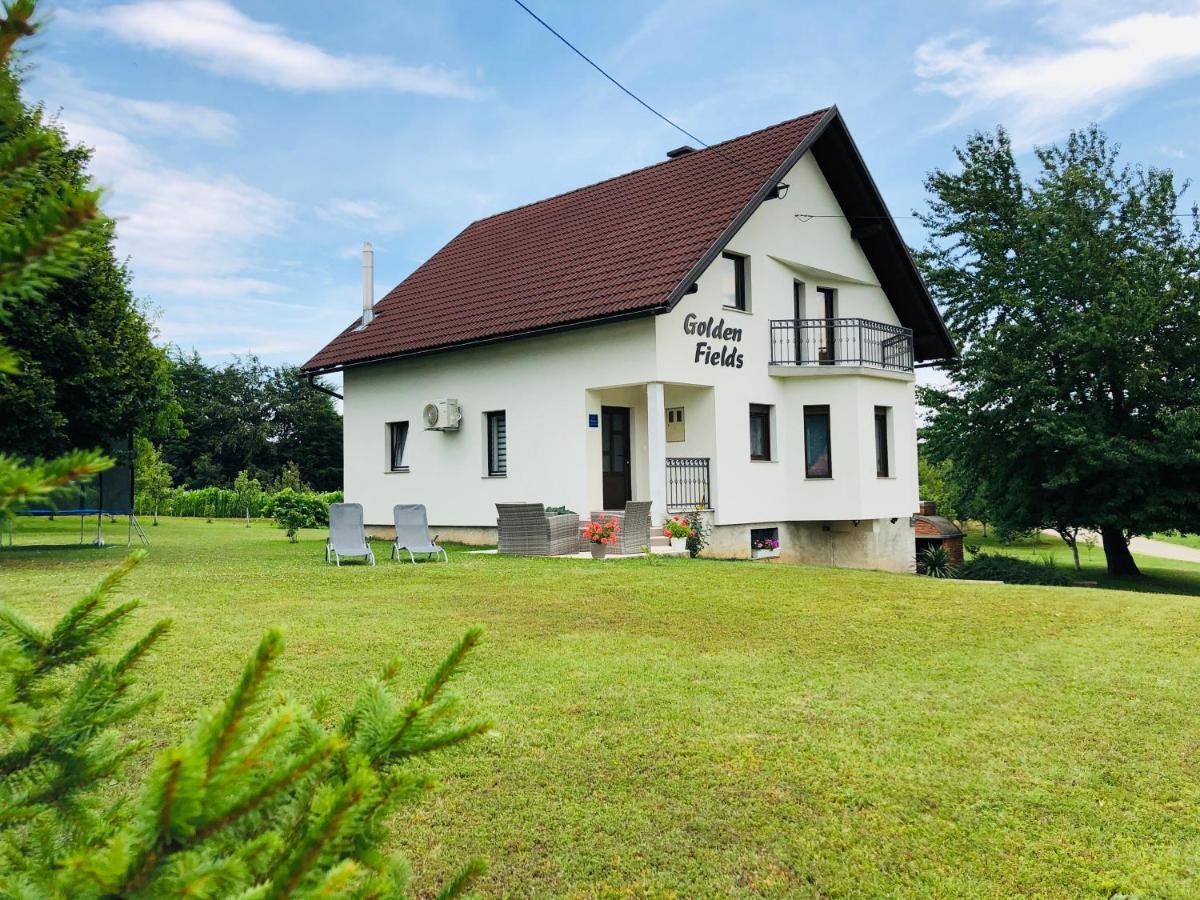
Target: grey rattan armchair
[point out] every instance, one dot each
(634, 522)
(525, 529)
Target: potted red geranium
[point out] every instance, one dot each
(678, 529)
(600, 535)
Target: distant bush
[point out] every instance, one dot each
(223, 503)
(1011, 570)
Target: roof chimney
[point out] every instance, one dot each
(680, 151)
(368, 266)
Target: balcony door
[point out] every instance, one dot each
(617, 480)
(826, 354)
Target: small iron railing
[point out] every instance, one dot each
(687, 483)
(841, 342)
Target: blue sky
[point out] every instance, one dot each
(248, 147)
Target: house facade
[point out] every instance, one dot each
(733, 329)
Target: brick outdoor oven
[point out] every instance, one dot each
(933, 530)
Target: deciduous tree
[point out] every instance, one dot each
(1075, 299)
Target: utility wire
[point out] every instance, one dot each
(804, 217)
(587, 59)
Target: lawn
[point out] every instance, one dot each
(700, 728)
(1164, 576)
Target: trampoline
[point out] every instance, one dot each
(107, 496)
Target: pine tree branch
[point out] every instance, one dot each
(464, 879)
(288, 777)
(17, 23)
(243, 697)
(350, 795)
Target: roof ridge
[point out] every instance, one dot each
(645, 168)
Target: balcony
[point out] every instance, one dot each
(851, 343)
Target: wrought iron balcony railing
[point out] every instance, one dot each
(687, 483)
(841, 342)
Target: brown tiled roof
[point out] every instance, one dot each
(619, 247)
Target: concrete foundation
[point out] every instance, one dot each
(871, 544)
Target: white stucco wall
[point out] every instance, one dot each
(540, 383)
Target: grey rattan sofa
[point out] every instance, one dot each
(634, 522)
(525, 529)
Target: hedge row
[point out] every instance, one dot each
(222, 503)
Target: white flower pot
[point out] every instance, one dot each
(678, 543)
(763, 554)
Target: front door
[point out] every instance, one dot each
(614, 443)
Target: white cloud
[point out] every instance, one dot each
(219, 37)
(190, 234)
(1041, 95)
(369, 213)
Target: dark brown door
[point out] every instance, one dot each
(614, 442)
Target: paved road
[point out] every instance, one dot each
(1162, 549)
(1146, 547)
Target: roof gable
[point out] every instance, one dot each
(628, 246)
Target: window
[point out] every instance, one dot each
(397, 442)
(882, 463)
(733, 280)
(497, 444)
(760, 432)
(817, 450)
(675, 431)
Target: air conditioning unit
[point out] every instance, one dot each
(442, 415)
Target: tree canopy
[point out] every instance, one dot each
(48, 216)
(246, 416)
(1075, 299)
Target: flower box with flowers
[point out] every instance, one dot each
(678, 529)
(764, 547)
(601, 535)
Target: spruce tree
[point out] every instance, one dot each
(46, 221)
(262, 800)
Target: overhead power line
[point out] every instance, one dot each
(595, 65)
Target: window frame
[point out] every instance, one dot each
(495, 462)
(741, 281)
(883, 461)
(822, 411)
(391, 446)
(761, 411)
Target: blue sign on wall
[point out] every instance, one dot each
(593, 420)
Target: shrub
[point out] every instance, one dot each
(224, 503)
(697, 538)
(935, 562)
(1011, 570)
(293, 510)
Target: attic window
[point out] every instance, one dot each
(733, 280)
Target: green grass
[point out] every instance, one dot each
(1183, 540)
(1163, 576)
(700, 728)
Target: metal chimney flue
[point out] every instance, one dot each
(368, 300)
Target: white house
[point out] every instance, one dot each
(735, 327)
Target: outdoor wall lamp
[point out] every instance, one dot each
(780, 191)
(856, 522)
